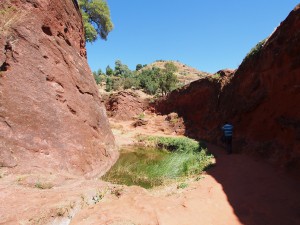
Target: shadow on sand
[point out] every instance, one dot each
(258, 193)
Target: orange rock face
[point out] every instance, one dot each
(51, 116)
(262, 100)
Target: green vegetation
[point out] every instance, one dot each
(141, 116)
(43, 185)
(99, 76)
(178, 144)
(182, 185)
(167, 159)
(256, 49)
(7, 9)
(152, 81)
(149, 80)
(216, 76)
(168, 80)
(138, 67)
(109, 71)
(96, 19)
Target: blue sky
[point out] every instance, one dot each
(207, 35)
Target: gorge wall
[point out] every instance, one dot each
(51, 116)
(261, 99)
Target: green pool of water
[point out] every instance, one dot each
(150, 167)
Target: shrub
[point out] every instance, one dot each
(256, 49)
(182, 185)
(43, 185)
(141, 116)
(109, 71)
(178, 144)
(130, 82)
(152, 81)
(97, 78)
(149, 80)
(108, 84)
(138, 67)
(117, 83)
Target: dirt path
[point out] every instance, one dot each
(258, 193)
(237, 190)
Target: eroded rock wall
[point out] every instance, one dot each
(125, 105)
(197, 103)
(51, 116)
(262, 100)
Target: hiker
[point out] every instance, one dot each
(228, 128)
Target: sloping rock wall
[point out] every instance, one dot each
(262, 100)
(51, 116)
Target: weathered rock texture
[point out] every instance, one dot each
(262, 100)
(51, 116)
(125, 105)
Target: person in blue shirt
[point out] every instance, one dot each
(228, 130)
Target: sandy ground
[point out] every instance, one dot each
(236, 190)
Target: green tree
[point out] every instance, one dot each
(108, 84)
(109, 71)
(138, 67)
(117, 83)
(149, 80)
(130, 82)
(168, 80)
(97, 77)
(99, 72)
(171, 67)
(121, 69)
(96, 19)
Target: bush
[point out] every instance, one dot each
(97, 78)
(256, 49)
(149, 80)
(178, 144)
(130, 82)
(182, 185)
(152, 81)
(138, 67)
(117, 83)
(108, 84)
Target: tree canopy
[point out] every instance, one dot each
(122, 69)
(152, 80)
(96, 19)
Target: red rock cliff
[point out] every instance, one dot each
(51, 116)
(262, 100)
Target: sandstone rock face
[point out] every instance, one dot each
(197, 103)
(125, 105)
(51, 116)
(262, 100)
